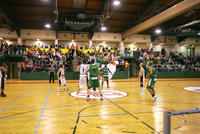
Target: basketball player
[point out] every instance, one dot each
(105, 75)
(83, 80)
(61, 78)
(141, 78)
(152, 80)
(3, 75)
(100, 60)
(94, 74)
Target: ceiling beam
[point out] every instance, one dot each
(6, 16)
(164, 16)
(67, 8)
(140, 15)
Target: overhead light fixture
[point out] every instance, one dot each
(116, 2)
(72, 40)
(38, 39)
(158, 31)
(45, 0)
(103, 28)
(199, 33)
(47, 25)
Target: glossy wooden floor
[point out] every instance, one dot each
(35, 107)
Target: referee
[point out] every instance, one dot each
(51, 73)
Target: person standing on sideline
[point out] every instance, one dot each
(51, 73)
(152, 75)
(61, 78)
(141, 78)
(3, 77)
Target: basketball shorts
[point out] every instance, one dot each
(93, 83)
(141, 82)
(2, 82)
(151, 83)
(83, 82)
(105, 77)
(62, 81)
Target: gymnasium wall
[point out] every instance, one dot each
(133, 42)
(68, 75)
(134, 46)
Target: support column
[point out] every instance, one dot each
(56, 41)
(90, 44)
(176, 47)
(19, 41)
(150, 45)
(122, 48)
(122, 45)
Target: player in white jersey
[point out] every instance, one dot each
(61, 78)
(141, 78)
(83, 80)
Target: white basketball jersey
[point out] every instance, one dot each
(62, 72)
(83, 69)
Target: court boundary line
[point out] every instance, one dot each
(92, 114)
(120, 102)
(132, 115)
(41, 115)
(17, 98)
(77, 121)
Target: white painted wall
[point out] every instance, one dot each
(38, 34)
(4, 33)
(107, 37)
(138, 38)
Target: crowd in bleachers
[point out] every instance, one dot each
(163, 61)
(39, 59)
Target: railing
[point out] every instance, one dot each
(176, 68)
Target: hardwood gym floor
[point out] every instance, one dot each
(35, 107)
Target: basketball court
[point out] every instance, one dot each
(130, 45)
(36, 107)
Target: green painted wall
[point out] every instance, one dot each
(178, 74)
(68, 75)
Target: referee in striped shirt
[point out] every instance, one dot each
(51, 73)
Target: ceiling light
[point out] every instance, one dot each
(103, 28)
(158, 31)
(199, 33)
(116, 2)
(38, 39)
(45, 0)
(72, 40)
(47, 25)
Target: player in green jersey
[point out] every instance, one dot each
(152, 75)
(94, 75)
(105, 75)
(100, 60)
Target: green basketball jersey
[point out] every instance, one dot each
(154, 73)
(105, 72)
(99, 60)
(93, 71)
